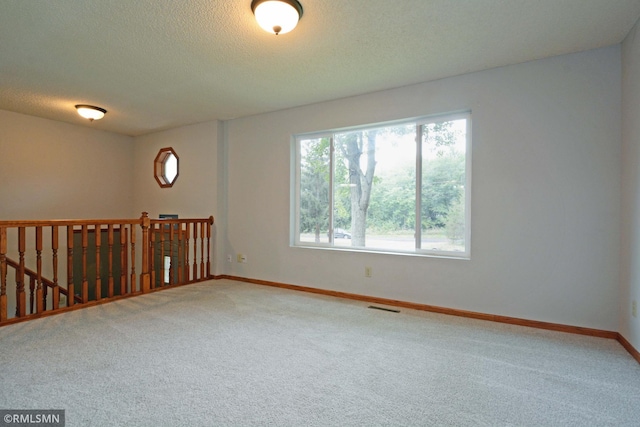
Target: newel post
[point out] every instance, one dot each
(209, 225)
(145, 278)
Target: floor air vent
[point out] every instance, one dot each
(384, 309)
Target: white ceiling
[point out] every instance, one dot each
(158, 64)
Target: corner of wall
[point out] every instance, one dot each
(629, 324)
(221, 236)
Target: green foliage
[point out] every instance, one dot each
(393, 198)
(387, 197)
(442, 186)
(443, 170)
(314, 186)
(454, 227)
(393, 201)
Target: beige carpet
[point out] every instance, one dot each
(225, 353)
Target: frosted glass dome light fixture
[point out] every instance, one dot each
(91, 112)
(277, 16)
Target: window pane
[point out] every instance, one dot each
(170, 168)
(374, 188)
(361, 188)
(443, 180)
(314, 190)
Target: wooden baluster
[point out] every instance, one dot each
(21, 301)
(152, 256)
(54, 249)
(98, 231)
(39, 293)
(180, 262)
(123, 259)
(85, 281)
(195, 251)
(162, 269)
(201, 250)
(32, 288)
(145, 277)
(3, 274)
(70, 291)
(186, 252)
(110, 240)
(133, 259)
(209, 224)
(171, 254)
(45, 295)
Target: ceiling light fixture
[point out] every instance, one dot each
(91, 112)
(277, 16)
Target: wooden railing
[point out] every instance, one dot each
(98, 261)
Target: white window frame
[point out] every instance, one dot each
(420, 122)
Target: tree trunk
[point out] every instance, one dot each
(360, 182)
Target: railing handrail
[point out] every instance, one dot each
(138, 242)
(70, 222)
(32, 274)
(67, 222)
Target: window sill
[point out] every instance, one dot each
(421, 254)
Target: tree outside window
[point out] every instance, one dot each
(399, 188)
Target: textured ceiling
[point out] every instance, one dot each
(158, 64)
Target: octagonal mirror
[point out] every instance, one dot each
(165, 166)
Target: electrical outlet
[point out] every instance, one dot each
(241, 258)
(229, 258)
(368, 272)
(634, 308)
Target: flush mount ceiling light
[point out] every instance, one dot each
(277, 16)
(91, 112)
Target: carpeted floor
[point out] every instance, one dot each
(225, 353)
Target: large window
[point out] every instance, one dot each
(400, 187)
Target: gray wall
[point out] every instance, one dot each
(545, 194)
(194, 193)
(630, 253)
(54, 170)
